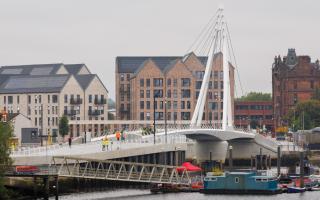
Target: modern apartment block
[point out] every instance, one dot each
(253, 112)
(46, 92)
(294, 79)
(174, 81)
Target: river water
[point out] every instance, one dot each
(136, 194)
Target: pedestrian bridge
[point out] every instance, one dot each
(118, 171)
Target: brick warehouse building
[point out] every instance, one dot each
(245, 112)
(177, 80)
(294, 79)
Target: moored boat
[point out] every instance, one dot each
(240, 183)
(295, 190)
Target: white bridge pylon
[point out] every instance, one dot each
(218, 39)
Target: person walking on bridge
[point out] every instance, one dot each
(118, 136)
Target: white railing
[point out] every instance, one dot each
(131, 138)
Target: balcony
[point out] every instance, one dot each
(76, 101)
(94, 112)
(100, 101)
(70, 112)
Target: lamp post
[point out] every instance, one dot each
(154, 118)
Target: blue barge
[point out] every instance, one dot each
(240, 183)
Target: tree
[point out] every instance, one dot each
(255, 96)
(5, 160)
(63, 126)
(316, 94)
(305, 115)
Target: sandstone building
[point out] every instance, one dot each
(46, 92)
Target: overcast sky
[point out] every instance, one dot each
(95, 32)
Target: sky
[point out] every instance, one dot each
(94, 32)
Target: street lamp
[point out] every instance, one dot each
(154, 117)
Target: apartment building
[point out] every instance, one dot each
(294, 79)
(46, 92)
(175, 83)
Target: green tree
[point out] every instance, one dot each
(316, 94)
(63, 126)
(306, 113)
(255, 96)
(5, 160)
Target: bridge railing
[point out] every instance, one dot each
(137, 139)
(119, 171)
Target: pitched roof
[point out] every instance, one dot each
(74, 68)
(38, 69)
(84, 80)
(34, 84)
(127, 64)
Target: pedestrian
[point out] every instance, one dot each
(70, 141)
(103, 145)
(118, 136)
(106, 143)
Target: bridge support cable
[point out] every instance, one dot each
(119, 171)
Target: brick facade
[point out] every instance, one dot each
(247, 111)
(178, 82)
(294, 79)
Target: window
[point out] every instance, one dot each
(54, 98)
(175, 116)
(175, 82)
(148, 104)
(311, 84)
(169, 82)
(185, 82)
(198, 85)
(141, 116)
(141, 104)
(221, 74)
(39, 98)
(65, 98)
(48, 98)
(210, 95)
(221, 84)
(215, 85)
(148, 82)
(188, 105)
(175, 94)
(159, 115)
(157, 82)
(199, 74)
(169, 93)
(18, 99)
(148, 93)
(210, 85)
(158, 93)
(161, 105)
(216, 74)
(10, 99)
(185, 93)
(185, 115)
(128, 77)
(122, 77)
(169, 104)
(29, 99)
(36, 121)
(182, 105)
(213, 105)
(90, 98)
(175, 105)
(236, 179)
(141, 93)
